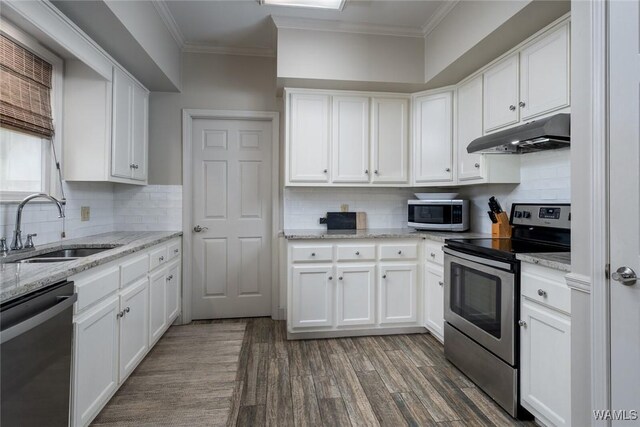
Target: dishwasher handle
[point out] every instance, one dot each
(64, 302)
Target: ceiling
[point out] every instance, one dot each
(245, 24)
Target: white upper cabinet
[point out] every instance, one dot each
(350, 139)
(544, 74)
(390, 140)
(308, 138)
(140, 131)
(433, 138)
(501, 94)
(469, 122)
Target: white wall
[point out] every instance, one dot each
(223, 82)
(325, 55)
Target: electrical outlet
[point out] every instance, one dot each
(344, 207)
(85, 213)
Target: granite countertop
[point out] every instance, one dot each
(19, 279)
(377, 233)
(556, 260)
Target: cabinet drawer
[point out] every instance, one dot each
(356, 252)
(174, 249)
(399, 251)
(92, 288)
(308, 253)
(546, 287)
(433, 252)
(158, 257)
(134, 269)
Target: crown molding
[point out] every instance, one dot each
(225, 50)
(345, 27)
(169, 21)
(438, 16)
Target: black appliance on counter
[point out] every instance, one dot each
(482, 298)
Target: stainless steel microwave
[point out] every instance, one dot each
(439, 215)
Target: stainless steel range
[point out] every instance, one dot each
(482, 294)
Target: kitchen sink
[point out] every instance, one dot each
(62, 255)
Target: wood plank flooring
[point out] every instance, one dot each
(401, 380)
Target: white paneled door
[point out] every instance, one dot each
(232, 218)
(624, 143)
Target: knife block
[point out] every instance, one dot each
(502, 228)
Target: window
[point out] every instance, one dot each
(30, 108)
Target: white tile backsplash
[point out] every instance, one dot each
(114, 207)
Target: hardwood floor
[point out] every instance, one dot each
(369, 381)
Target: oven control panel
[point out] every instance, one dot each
(538, 215)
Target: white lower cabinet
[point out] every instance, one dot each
(398, 293)
(312, 296)
(117, 321)
(356, 294)
(434, 299)
(545, 347)
(134, 326)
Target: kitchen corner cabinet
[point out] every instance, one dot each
(105, 126)
(347, 139)
(545, 329)
(433, 138)
(123, 308)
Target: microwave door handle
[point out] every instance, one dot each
(479, 260)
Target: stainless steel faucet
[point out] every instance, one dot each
(16, 243)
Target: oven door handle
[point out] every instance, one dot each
(64, 302)
(479, 260)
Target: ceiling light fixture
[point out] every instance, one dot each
(313, 4)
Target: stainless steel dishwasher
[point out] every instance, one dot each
(36, 333)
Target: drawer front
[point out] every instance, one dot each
(356, 252)
(158, 257)
(399, 251)
(309, 253)
(174, 249)
(547, 289)
(93, 288)
(133, 269)
(433, 252)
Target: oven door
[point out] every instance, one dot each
(480, 301)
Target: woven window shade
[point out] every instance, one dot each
(25, 90)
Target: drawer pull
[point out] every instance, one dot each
(175, 251)
(126, 310)
(340, 278)
(330, 277)
(542, 293)
(399, 252)
(441, 283)
(384, 276)
(119, 314)
(433, 255)
(161, 259)
(357, 252)
(169, 277)
(313, 254)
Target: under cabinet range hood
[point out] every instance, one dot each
(543, 134)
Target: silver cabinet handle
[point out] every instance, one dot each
(522, 323)
(448, 170)
(477, 165)
(542, 293)
(432, 255)
(126, 310)
(366, 171)
(376, 171)
(512, 107)
(132, 166)
(357, 252)
(313, 254)
(384, 276)
(340, 278)
(199, 229)
(175, 251)
(161, 258)
(169, 278)
(330, 277)
(120, 314)
(324, 171)
(399, 252)
(521, 104)
(441, 283)
(625, 275)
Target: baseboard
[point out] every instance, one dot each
(356, 333)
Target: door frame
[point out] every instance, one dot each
(188, 116)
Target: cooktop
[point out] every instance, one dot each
(504, 247)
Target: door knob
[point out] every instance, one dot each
(625, 275)
(199, 229)
(522, 323)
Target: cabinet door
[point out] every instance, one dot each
(544, 74)
(501, 94)
(140, 133)
(95, 365)
(433, 142)
(470, 165)
(390, 140)
(134, 326)
(309, 138)
(157, 306)
(350, 139)
(545, 348)
(356, 294)
(312, 296)
(173, 293)
(122, 130)
(434, 299)
(398, 293)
